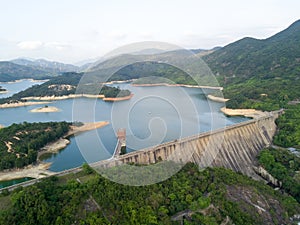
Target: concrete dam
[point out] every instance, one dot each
(234, 147)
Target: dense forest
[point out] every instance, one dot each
(288, 124)
(284, 166)
(209, 196)
(163, 72)
(20, 143)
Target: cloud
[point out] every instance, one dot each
(30, 45)
(34, 45)
(57, 45)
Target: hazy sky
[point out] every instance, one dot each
(73, 30)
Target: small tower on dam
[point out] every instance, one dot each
(121, 134)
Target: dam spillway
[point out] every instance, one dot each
(234, 147)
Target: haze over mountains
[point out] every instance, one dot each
(237, 62)
(55, 67)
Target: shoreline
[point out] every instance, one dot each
(63, 97)
(118, 98)
(20, 104)
(251, 113)
(41, 169)
(46, 99)
(52, 148)
(217, 99)
(20, 80)
(37, 171)
(86, 127)
(63, 142)
(119, 81)
(44, 109)
(178, 85)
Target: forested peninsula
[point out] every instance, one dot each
(66, 86)
(20, 143)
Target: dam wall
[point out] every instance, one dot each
(234, 147)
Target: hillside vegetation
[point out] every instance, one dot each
(49, 66)
(260, 74)
(284, 166)
(20, 143)
(179, 67)
(170, 73)
(10, 72)
(265, 75)
(211, 196)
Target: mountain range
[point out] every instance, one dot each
(10, 71)
(255, 73)
(51, 66)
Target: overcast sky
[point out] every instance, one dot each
(74, 30)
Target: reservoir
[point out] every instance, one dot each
(153, 115)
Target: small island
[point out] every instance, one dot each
(14, 104)
(45, 109)
(3, 90)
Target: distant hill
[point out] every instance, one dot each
(172, 65)
(266, 58)
(50, 66)
(10, 71)
(262, 74)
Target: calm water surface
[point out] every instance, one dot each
(154, 115)
(17, 86)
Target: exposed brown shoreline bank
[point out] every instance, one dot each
(177, 85)
(61, 143)
(251, 113)
(53, 98)
(217, 99)
(20, 104)
(118, 98)
(38, 171)
(46, 100)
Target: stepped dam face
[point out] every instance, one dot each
(235, 147)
